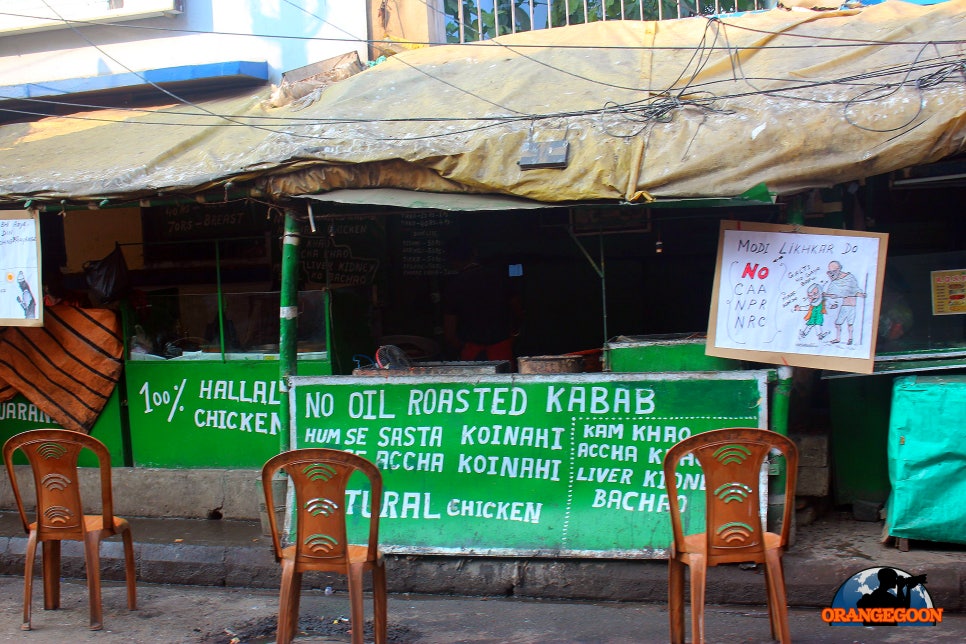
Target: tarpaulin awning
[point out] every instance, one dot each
(688, 108)
(425, 200)
(398, 198)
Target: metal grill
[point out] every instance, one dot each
(474, 20)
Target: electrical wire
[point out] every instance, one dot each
(141, 76)
(657, 106)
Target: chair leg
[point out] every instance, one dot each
(28, 578)
(287, 622)
(379, 601)
(699, 573)
(772, 612)
(675, 592)
(295, 600)
(776, 582)
(130, 571)
(92, 559)
(51, 572)
(356, 606)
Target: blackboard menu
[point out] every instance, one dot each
(187, 231)
(343, 251)
(422, 242)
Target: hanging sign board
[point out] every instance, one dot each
(798, 296)
(948, 292)
(21, 291)
(533, 465)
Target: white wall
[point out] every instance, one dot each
(111, 49)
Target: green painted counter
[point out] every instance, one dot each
(659, 353)
(18, 415)
(188, 413)
(533, 465)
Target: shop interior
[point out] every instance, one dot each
(583, 275)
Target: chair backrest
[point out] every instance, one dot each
(319, 477)
(731, 461)
(52, 455)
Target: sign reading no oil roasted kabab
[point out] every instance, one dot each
(555, 465)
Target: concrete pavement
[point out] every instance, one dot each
(236, 553)
(202, 567)
(169, 614)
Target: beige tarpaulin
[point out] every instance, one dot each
(680, 108)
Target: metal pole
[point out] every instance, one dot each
(288, 321)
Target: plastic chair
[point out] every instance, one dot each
(731, 460)
(319, 477)
(52, 455)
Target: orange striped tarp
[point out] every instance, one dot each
(68, 367)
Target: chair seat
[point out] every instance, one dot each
(697, 544)
(357, 555)
(92, 523)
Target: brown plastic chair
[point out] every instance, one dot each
(731, 460)
(319, 477)
(52, 455)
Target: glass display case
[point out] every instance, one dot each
(175, 324)
(923, 312)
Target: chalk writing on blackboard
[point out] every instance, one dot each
(342, 251)
(189, 231)
(422, 242)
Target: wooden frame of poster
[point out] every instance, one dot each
(798, 296)
(21, 291)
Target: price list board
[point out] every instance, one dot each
(188, 231)
(422, 242)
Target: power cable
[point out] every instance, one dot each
(144, 78)
(651, 108)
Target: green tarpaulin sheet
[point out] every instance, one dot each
(927, 459)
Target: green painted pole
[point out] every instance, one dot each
(288, 321)
(795, 213)
(778, 419)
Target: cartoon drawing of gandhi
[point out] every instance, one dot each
(844, 289)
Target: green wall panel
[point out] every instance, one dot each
(204, 414)
(19, 414)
